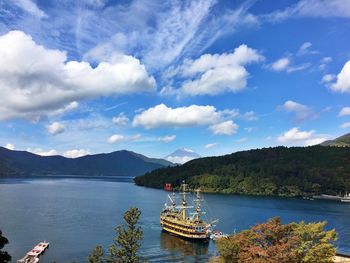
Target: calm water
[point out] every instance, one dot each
(74, 215)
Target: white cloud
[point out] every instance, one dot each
(250, 129)
(121, 120)
(163, 116)
(55, 128)
(116, 138)
(327, 78)
(324, 62)
(10, 146)
(313, 8)
(36, 81)
(167, 139)
(280, 64)
(219, 73)
(42, 152)
(30, 7)
(344, 111)
(179, 29)
(302, 112)
(305, 49)
(224, 128)
(76, 153)
(242, 140)
(343, 79)
(210, 145)
(248, 116)
(284, 64)
(295, 136)
(345, 125)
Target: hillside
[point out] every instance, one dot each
(342, 141)
(121, 163)
(278, 171)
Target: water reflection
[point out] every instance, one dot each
(174, 244)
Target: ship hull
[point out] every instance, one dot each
(185, 231)
(194, 239)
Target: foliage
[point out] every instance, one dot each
(128, 240)
(274, 242)
(314, 244)
(97, 255)
(279, 171)
(4, 256)
(126, 243)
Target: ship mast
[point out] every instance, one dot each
(184, 201)
(198, 205)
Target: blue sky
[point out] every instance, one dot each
(79, 77)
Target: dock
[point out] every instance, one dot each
(33, 255)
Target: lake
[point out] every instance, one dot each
(76, 214)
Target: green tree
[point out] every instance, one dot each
(315, 245)
(128, 240)
(97, 255)
(4, 256)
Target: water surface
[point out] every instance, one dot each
(76, 214)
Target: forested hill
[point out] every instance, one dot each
(119, 163)
(282, 171)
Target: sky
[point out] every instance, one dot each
(216, 77)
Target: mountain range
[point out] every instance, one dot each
(119, 163)
(342, 141)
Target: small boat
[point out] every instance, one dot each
(178, 221)
(328, 197)
(215, 235)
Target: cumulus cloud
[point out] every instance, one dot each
(36, 81)
(10, 146)
(219, 73)
(218, 121)
(302, 112)
(224, 128)
(55, 128)
(342, 83)
(166, 139)
(121, 119)
(344, 111)
(75, 153)
(163, 116)
(297, 137)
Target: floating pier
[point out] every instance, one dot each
(33, 255)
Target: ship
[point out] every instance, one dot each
(178, 221)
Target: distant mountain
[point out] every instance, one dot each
(119, 163)
(182, 156)
(281, 171)
(342, 141)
